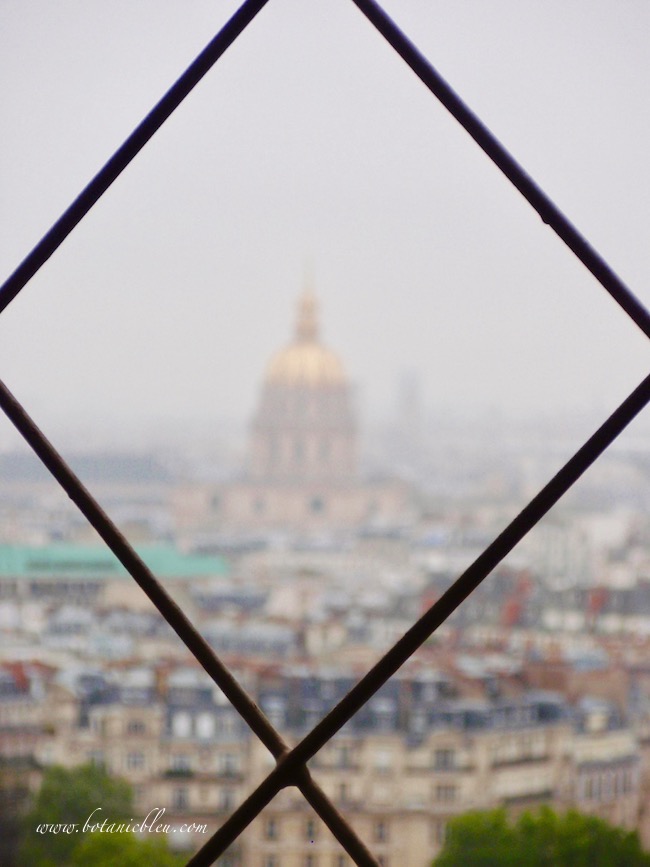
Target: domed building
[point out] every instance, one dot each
(302, 468)
(304, 429)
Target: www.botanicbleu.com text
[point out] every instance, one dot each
(151, 824)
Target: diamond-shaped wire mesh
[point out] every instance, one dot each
(291, 766)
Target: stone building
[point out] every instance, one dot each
(304, 428)
(302, 471)
(417, 755)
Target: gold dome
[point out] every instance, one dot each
(306, 361)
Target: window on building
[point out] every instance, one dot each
(596, 787)
(99, 725)
(205, 727)
(383, 761)
(384, 712)
(226, 799)
(135, 761)
(418, 721)
(271, 829)
(444, 759)
(135, 727)
(344, 757)
(618, 783)
(311, 829)
(182, 724)
(226, 723)
(228, 764)
(180, 763)
(627, 781)
(608, 787)
(380, 831)
(445, 793)
(180, 798)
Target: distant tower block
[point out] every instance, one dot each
(304, 429)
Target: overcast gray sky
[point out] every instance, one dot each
(310, 144)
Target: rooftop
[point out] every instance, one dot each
(64, 560)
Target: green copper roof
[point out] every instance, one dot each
(97, 562)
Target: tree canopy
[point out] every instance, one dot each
(107, 850)
(541, 839)
(54, 834)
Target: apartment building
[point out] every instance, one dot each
(418, 754)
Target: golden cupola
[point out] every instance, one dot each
(305, 361)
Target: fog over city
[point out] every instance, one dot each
(317, 361)
(312, 153)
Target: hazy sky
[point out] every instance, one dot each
(311, 144)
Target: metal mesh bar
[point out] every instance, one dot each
(179, 622)
(291, 764)
(529, 516)
(131, 147)
(545, 207)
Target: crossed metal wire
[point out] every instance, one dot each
(291, 764)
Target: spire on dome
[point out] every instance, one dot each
(305, 360)
(307, 321)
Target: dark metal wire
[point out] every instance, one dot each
(57, 234)
(529, 516)
(180, 623)
(291, 764)
(545, 207)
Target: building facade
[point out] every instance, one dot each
(416, 756)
